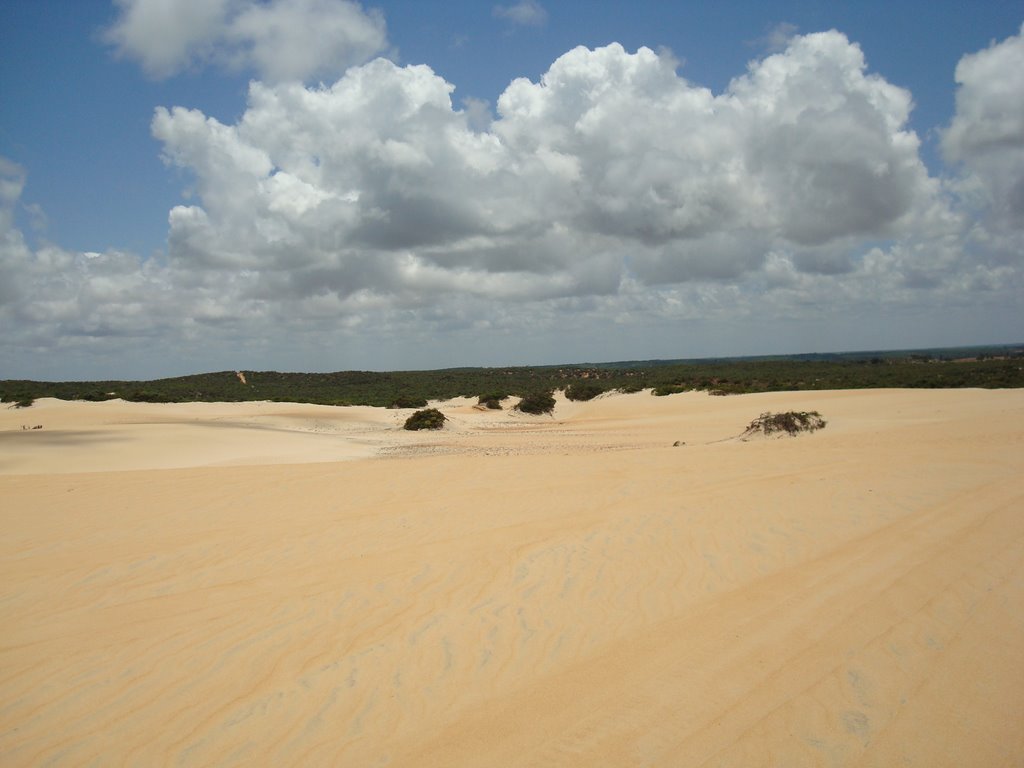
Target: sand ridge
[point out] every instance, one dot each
(568, 590)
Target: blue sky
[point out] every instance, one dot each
(731, 178)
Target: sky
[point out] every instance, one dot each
(320, 185)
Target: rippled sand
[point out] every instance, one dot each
(273, 584)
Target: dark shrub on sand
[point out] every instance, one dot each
(408, 401)
(791, 422)
(492, 400)
(669, 389)
(429, 418)
(537, 403)
(582, 390)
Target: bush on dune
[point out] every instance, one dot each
(408, 401)
(669, 389)
(429, 418)
(537, 403)
(791, 422)
(492, 400)
(583, 391)
(148, 396)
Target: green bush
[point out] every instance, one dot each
(408, 401)
(583, 390)
(149, 396)
(429, 418)
(492, 400)
(669, 389)
(791, 422)
(537, 403)
(24, 402)
(95, 397)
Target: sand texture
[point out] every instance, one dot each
(290, 585)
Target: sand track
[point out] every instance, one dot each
(566, 591)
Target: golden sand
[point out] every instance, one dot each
(293, 585)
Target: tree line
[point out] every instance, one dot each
(410, 389)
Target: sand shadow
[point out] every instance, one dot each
(57, 438)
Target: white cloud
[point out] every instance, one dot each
(612, 198)
(828, 144)
(778, 37)
(12, 182)
(297, 39)
(986, 137)
(167, 36)
(612, 159)
(279, 39)
(528, 13)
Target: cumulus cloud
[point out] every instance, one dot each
(527, 13)
(610, 162)
(986, 137)
(610, 193)
(279, 39)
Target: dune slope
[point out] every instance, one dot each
(569, 590)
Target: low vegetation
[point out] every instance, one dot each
(583, 390)
(492, 400)
(429, 418)
(790, 422)
(537, 403)
(988, 367)
(670, 389)
(409, 401)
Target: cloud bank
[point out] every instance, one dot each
(610, 192)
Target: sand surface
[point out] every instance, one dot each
(292, 585)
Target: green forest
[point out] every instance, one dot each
(986, 367)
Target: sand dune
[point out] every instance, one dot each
(276, 584)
